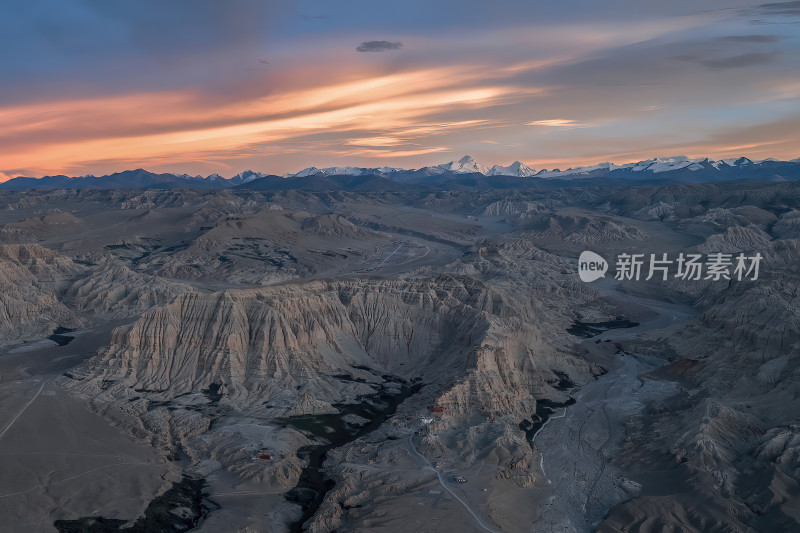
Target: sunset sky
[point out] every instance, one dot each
(201, 86)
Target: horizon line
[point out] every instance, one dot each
(5, 177)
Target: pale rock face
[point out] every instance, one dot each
(28, 309)
(116, 291)
(257, 342)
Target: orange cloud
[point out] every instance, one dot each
(383, 114)
(176, 126)
(558, 123)
(376, 141)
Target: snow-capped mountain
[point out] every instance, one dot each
(666, 164)
(343, 171)
(468, 165)
(514, 169)
(211, 178)
(740, 162)
(246, 177)
(657, 165)
(465, 165)
(577, 171)
(464, 173)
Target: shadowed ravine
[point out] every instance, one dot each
(314, 484)
(179, 509)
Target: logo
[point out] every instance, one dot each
(591, 266)
(715, 266)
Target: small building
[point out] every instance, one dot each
(460, 480)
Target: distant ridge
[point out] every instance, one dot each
(465, 173)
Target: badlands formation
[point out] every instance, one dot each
(255, 361)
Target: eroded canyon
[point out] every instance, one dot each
(181, 360)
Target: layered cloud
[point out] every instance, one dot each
(547, 85)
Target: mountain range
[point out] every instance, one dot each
(465, 173)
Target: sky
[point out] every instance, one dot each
(203, 86)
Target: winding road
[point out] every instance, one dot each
(466, 506)
(11, 422)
